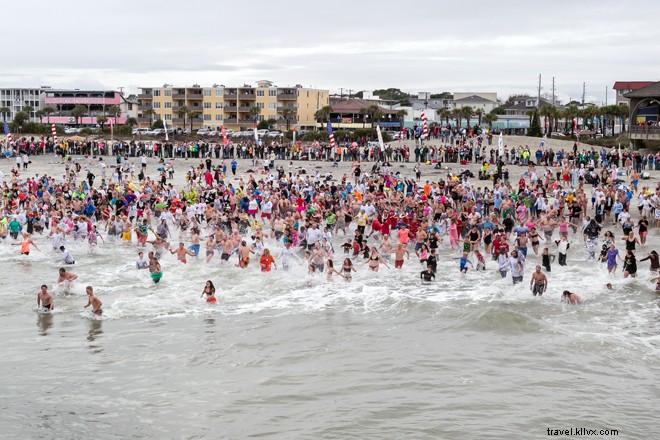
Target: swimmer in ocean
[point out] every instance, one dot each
(154, 268)
(181, 253)
(570, 298)
(209, 291)
(464, 262)
(45, 299)
(94, 301)
(539, 282)
(427, 275)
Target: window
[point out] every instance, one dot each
(156, 92)
(168, 105)
(272, 105)
(156, 104)
(260, 93)
(168, 116)
(207, 105)
(272, 93)
(218, 93)
(218, 105)
(260, 104)
(167, 92)
(218, 117)
(207, 92)
(207, 117)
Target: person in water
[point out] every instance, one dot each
(570, 298)
(464, 262)
(25, 244)
(154, 268)
(266, 261)
(45, 299)
(94, 301)
(427, 275)
(209, 291)
(539, 282)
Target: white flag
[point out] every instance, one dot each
(500, 145)
(380, 138)
(167, 137)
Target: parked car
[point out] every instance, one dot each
(71, 130)
(274, 134)
(213, 133)
(156, 132)
(140, 131)
(395, 135)
(557, 134)
(203, 131)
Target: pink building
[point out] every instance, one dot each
(97, 103)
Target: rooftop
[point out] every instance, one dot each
(631, 85)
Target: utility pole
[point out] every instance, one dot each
(349, 93)
(341, 93)
(584, 90)
(538, 99)
(605, 96)
(553, 91)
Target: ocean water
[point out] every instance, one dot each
(290, 355)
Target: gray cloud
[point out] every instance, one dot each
(432, 46)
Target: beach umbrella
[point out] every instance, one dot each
(623, 187)
(354, 144)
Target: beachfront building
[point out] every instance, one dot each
(624, 87)
(235, 106)
(95, 102)
(484, 101)
(644, 117)
(349, 114)
(21, 99)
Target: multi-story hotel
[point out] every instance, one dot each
(210, 107)
(16, 99)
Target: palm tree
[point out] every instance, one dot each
(623, 111)
(101, 120)
(479, 112)
(5, 111)
(374, 112)
(183, 112)
(363, 112)
(467, 112)
(456, 115)
(489, 118)
(19, 119)
(288, 113)
(150, 113)
(131, 122)
(39, 114)
(78, 112)
(547, 111)
(254, 112)
(46, 111)
(323, 114)
(570, 112)
(443, 113)
(28, 109)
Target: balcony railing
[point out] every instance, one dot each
(231, 108)
(644, 131)
(178, 96)
(244, 108)
(286, 96)
(145, 96)
(230, 95)
(195, 96)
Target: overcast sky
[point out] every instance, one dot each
(481, 46)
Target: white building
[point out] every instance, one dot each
(16, 99)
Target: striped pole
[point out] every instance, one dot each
(54, 131)
(425, 132)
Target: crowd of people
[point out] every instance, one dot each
(380, 217)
